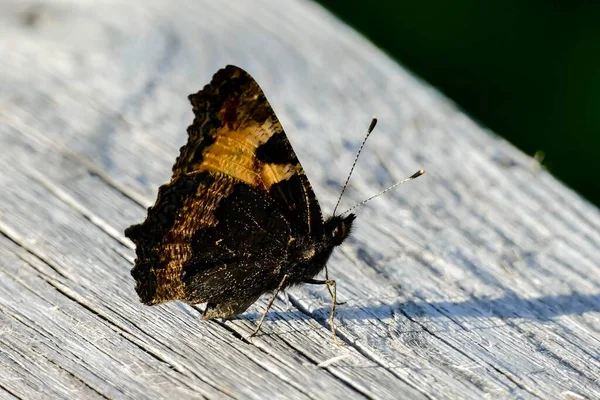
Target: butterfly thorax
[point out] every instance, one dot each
(311, 256)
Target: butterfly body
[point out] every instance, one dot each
(239, 217)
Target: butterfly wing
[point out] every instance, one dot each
(220, 229)
(236, 132)
(209, 237)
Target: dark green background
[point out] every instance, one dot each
(529, 69)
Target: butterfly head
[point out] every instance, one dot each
(337, 228)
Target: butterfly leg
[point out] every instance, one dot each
(332, 287)
(329, 289)
(269, 304)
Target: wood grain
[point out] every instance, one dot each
(479, 280)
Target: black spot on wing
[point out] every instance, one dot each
(277, 150)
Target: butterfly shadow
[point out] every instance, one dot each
(509, 307)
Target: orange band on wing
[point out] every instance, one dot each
(234, 153)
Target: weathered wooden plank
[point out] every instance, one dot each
(480, 279)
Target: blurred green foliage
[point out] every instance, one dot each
(529, 70)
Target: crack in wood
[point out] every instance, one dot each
(12, 236)
(124, 332)
(86, 384)
(10, 392)
(78, 207)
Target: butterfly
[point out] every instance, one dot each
(239, 217)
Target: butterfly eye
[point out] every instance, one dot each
(338, 235)
(336, 232)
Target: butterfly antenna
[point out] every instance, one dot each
(413, 176)
(371, 127)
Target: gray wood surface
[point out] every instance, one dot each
(479, 280)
